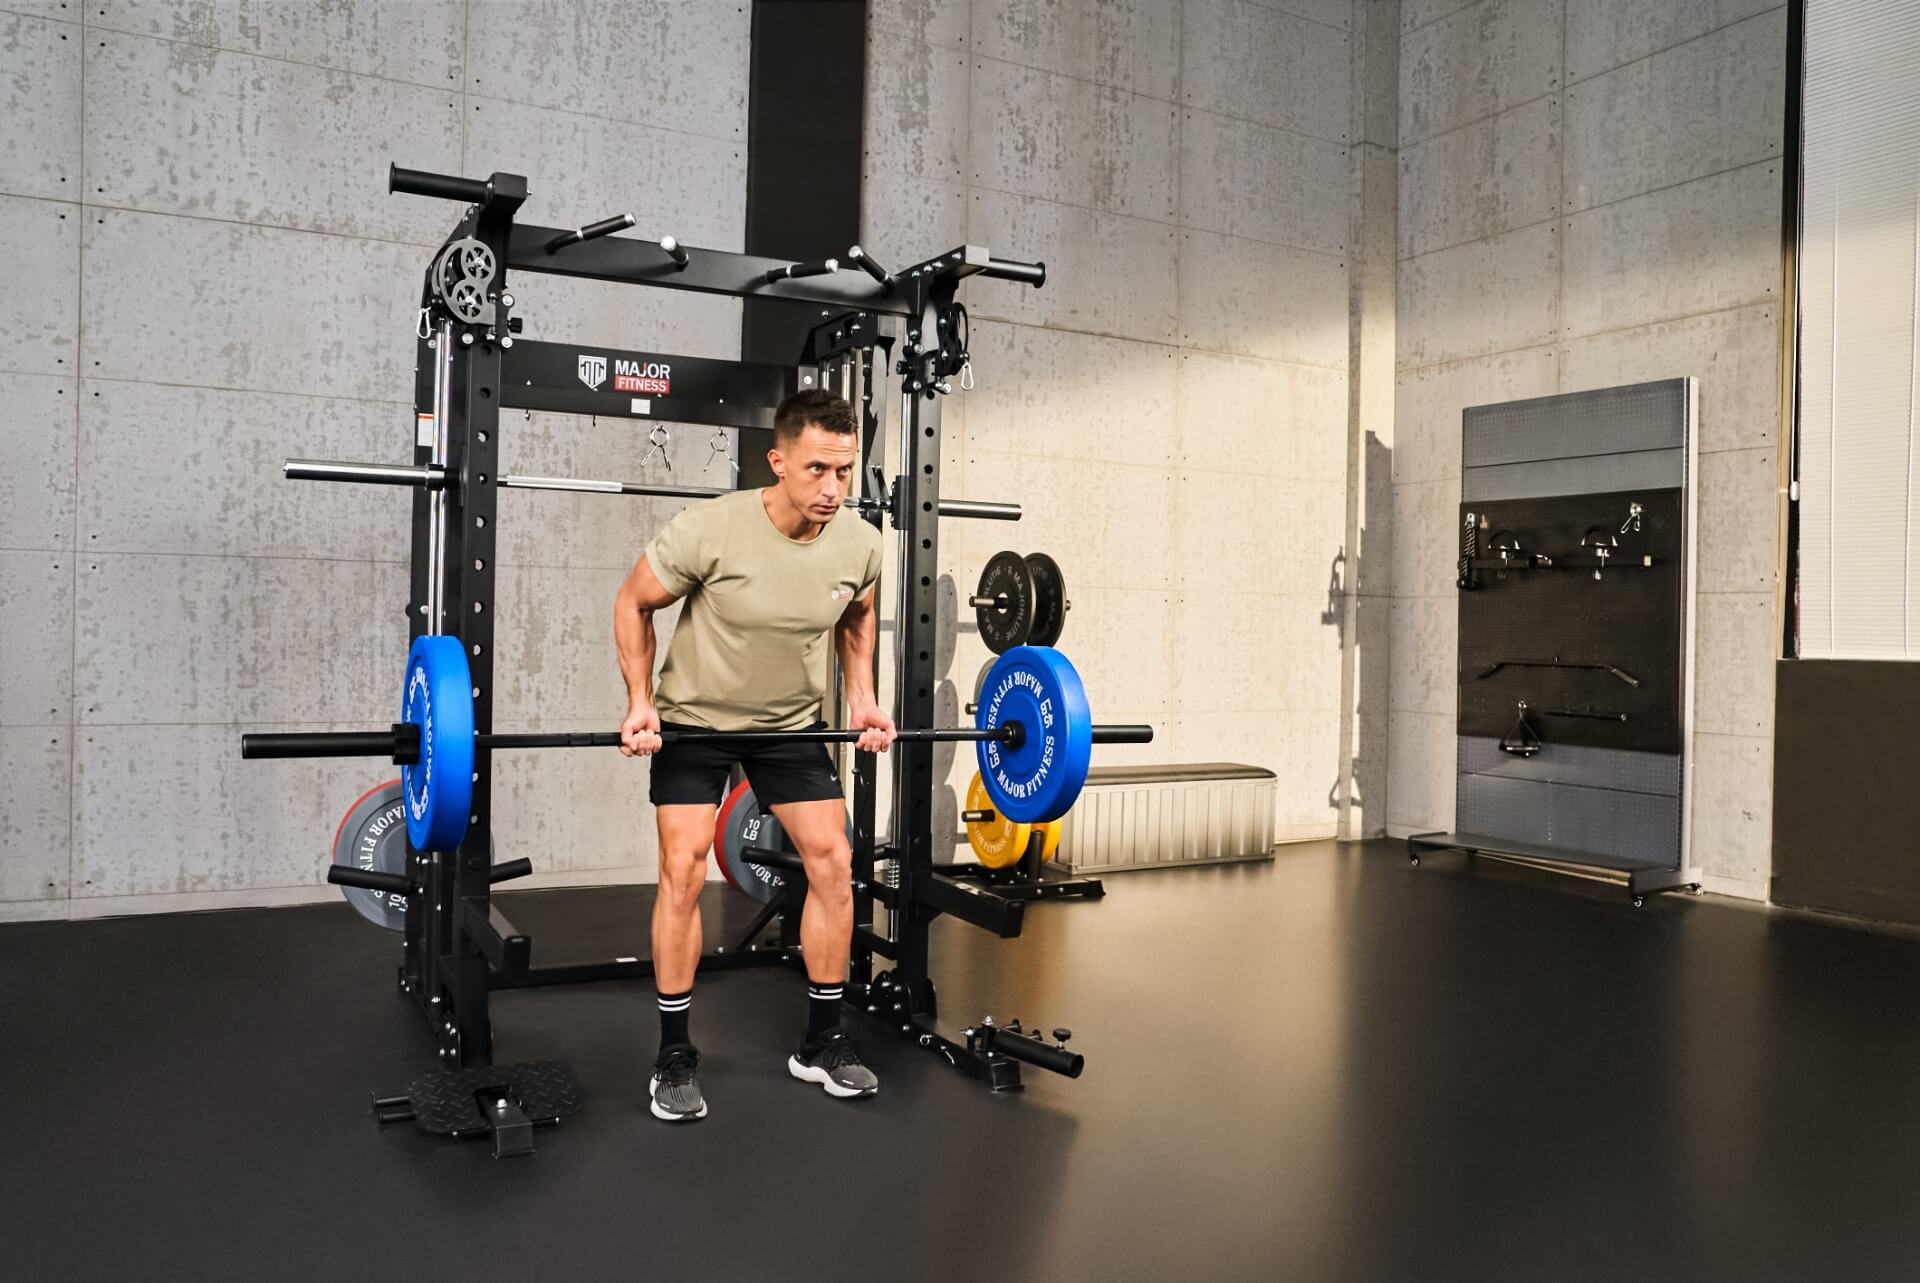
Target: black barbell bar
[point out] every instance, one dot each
(402, 741)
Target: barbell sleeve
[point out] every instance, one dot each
(1044, 1055)
(982, 816)
(1136, 733)
(379, 474)
(345, 875)
(979, 510)
(389, 743)
(591, 232)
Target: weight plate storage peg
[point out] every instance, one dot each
(438, 698)
(742, 824)
(1003, 602)
(1049, 600)
(372, 837)
(997, 842)
(1038, 778)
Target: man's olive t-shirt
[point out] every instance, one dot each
(750, 650)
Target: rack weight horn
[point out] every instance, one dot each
(1034, 735)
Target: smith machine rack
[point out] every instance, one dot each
(458, 946)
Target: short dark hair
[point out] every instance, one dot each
(813, 406)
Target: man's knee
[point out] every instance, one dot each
(829, 865)
(682, 874)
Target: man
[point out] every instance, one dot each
(766, 575)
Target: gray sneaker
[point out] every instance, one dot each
(835, 1065)
(676, 1096)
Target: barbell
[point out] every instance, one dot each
(1033, 733)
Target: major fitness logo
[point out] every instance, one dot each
(651, 378)
(648, 378)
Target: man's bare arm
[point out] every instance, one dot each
(633, 640)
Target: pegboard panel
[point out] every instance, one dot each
(1628, 618)
(1603, 768)
(1578, 425)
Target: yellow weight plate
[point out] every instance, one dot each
(998, 842)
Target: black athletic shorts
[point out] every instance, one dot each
(696, 774)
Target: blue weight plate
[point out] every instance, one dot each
(1037, 687)
(438, 698)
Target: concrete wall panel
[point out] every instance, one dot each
(934, 22)
(909, 221)
(1739, 506)
(1482, 179)
(1132, 45)
(1056, 138)
(1425, 660)
(649, 62)
(1080, 247)
(1071, 506)
(917, 115)
(412, 40)
(36, 638)
(1475, 62)
(1737, 647)
(1426, 543)
(35, 778)
(1275, 537)
(231, 446)
(1034, 388)
(1733, 806)
(37, 435)
(1260, 183)
(40, 311)
(40, 101)
(1238, 59)
(1603, 36)
(1420, 772)
(184, 129)
(1476, 299)
(183, 640)
(1701, 247)
(248, 307)
(1700, 108)
(1252, 299)
(1257, 418)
